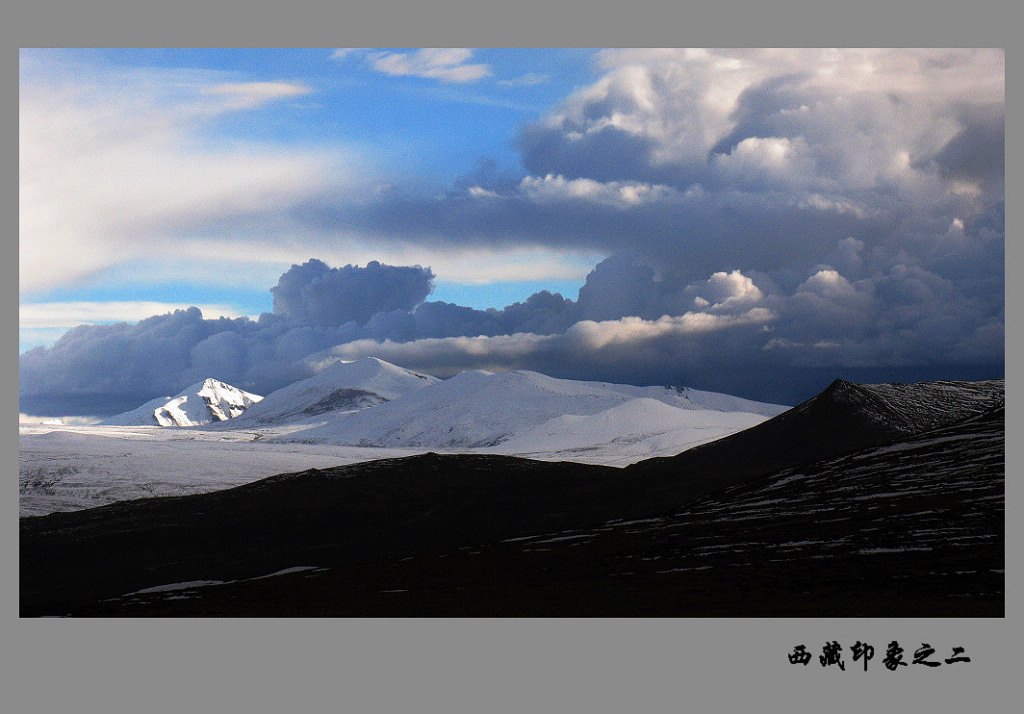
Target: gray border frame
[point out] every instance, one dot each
(495, 665)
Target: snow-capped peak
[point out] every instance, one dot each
(201, 403)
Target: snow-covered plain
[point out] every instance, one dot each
(67, 468)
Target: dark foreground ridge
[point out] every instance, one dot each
(845, 417)
(867, 500)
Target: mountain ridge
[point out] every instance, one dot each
(477, 408)
(843, 417)
(341, 386)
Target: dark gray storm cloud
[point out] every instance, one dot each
(605, 154)
(317, 294)
(977, 152)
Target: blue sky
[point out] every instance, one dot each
(751, 221)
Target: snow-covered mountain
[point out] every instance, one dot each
(628, 432)
(482, 409)
(343, 386)
(201, 403)
(140, 416)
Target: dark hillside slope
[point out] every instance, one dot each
(343, 517)
(845, 417)
(914, 528)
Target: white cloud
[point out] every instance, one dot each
(827, 283)
(497, 348)
(111, 171)
(588, 340)
(779, 343)
(679, 103)
(776, 162)
(249, 95)
(964, 73)
(856, 118)
(726, 292)
(70, 314)
(590, 335)
(444, 64)
(818, 202)
(618, 194)
(480, 192)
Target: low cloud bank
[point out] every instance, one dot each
(632, 321)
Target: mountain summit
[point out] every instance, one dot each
(899, 409)
(201, 403)
(340, 387)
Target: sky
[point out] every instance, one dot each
(756, 222)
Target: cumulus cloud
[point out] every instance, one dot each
(860, 192)
(769, 163)
(828, 284)
(316, 294)
(317, 307)
(854, 109)
(726, 293)
(850, 139)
